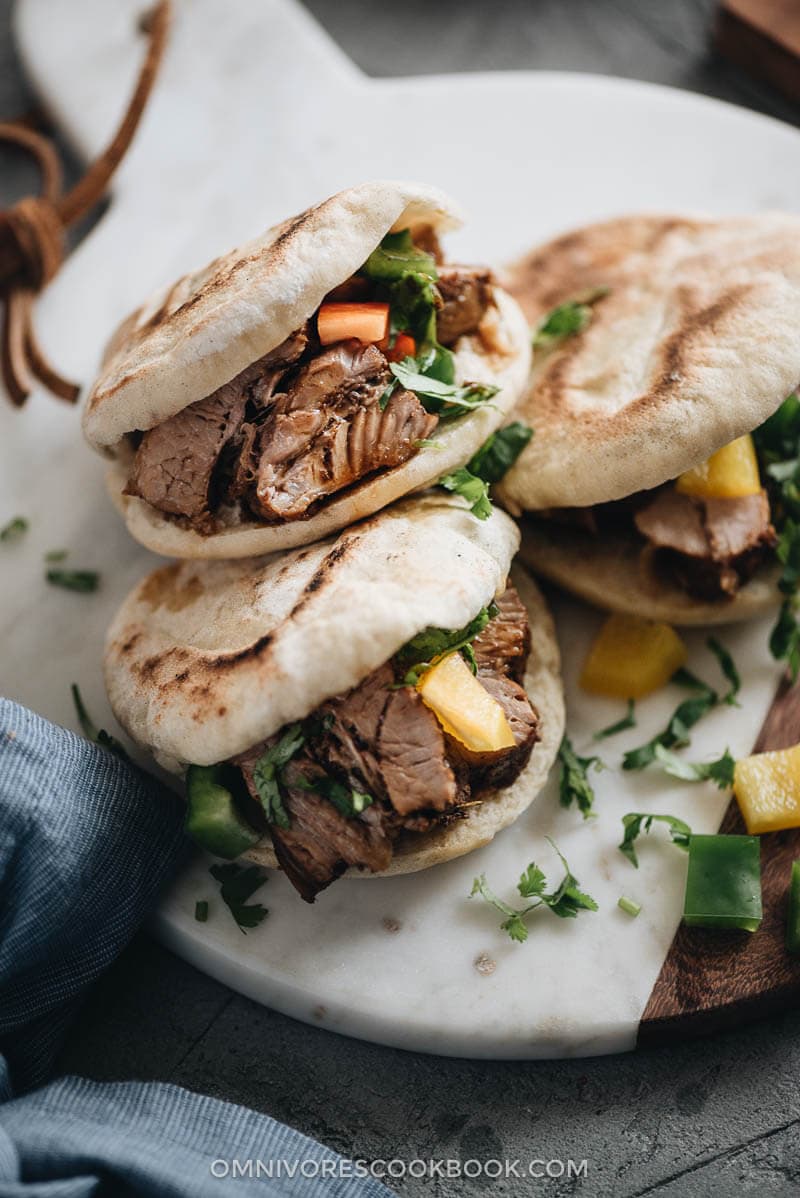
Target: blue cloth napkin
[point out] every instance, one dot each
(87, 842)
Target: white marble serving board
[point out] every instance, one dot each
(258, 113)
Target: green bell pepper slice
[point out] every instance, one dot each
(211, 816)
(723, 883)
(793, 917)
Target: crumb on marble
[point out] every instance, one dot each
(484, 964)
(391, 924)
(320, 1012)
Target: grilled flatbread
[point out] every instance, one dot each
(203, 332)
(204, 660)
(695, 342)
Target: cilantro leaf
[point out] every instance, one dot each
(566, 319)
(348, 801)
(14, 529)
(566, 901)
(719, 771)
(267, 769)
(90, 729)
(74, 580)
(676, 733)
(499, 453)
(201, 910)
(473, 490)
(573, 784)
(636, 822)
(627, 721)
(728, 667)
(237, 884)
(418, 654)
(447, 400)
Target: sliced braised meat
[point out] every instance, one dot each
(674, 521)
(328, 431)
(385, 739)
(381, 738)
(321, 843)
(175, 462)
(413, 756)
(712, 546)
(504, 644)
(488, 771)
(466, 293)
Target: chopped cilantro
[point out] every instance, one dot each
(566, 901)
(627, 721)
(16, 528)
(566, 319)
(90, 729)
(719, 771)
(473, 490)
(676, 733)
(447, 400)
(201, 911)
(573, 783)
(74, 580)
(346, 799)
(267, 769)
(777, 443)
(237, 884)
(499, 453)
(637, 822)
(728, 667)
(56, 555)
(418, 654)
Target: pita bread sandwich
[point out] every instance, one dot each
(665, 450)
(307, 379)
(375, 703)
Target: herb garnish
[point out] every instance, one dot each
(637, 822)
(56, 555)
(777, 443)
(627, 721)
(16, 528)
(566, 319)
(90, 729)
(237, 884)
(685, 716)
(573, 783)
(474, 490)
(418, 654)
(629, 905)
(726, 664)
(494, 458)
(348, 801)
(83, 581)
(201, 911)
(499, 453)
(266, 773)
(447, 400)
(676, 733)
(719, 771)
(565, 901)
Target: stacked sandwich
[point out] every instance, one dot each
(340, 664)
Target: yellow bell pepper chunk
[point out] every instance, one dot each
(767, 789)
(464, 707)
(632, 657)
(730, 473)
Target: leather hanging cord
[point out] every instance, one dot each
(32, 232)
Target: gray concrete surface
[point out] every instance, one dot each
(717, 1117)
